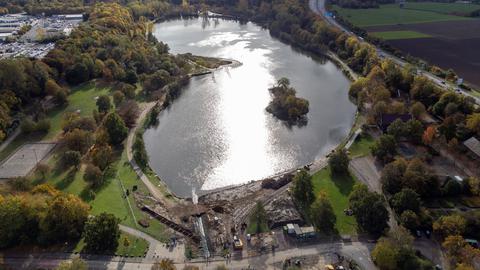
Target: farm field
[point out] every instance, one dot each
(392, 14)
(444, 8)
(392, 35)
(427, 31)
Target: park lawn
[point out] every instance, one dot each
(445, 8)
(136, 248)
(393, 35)
(361, 146)
(337, 190)
(392, 14)
(109, 198)
(81, 99)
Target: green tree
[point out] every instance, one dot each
(338, 162)
(71, 158)
(322, 215)
(369, 210)
(102, 156)
(259, 218)
(139, 152)
(409, 220)
(407, 199)
(103, 103)
(102, 233)
(116, 129)
(76, 74)
(385, 148)
(302, 190)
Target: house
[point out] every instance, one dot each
(473, 145)
(388, 118)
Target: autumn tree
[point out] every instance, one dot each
(93, 175)
(473, 122)
(75, 264)
(78, 140)
(164, 264)
(64, 219)
(429, 135)
(449, 225)
(417, 110)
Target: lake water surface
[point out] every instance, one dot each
(217, 133)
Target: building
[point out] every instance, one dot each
(473, 145)
(388, 118)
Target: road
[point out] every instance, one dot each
(318, 6)
(355, 250)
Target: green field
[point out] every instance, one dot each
(337, 190)
(109, 198)
(136, 248)
(81, 99)
(361, 146)
(392, 14)
(444, 8)
(392, 35)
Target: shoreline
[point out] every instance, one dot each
(330, 56)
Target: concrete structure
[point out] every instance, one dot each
(473, 145)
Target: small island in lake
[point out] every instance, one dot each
(285, 105)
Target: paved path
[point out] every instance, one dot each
(358, 251)
(10, 139)
(154, 191)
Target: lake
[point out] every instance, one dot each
(217, 133)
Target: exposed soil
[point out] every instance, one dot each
(453, 44)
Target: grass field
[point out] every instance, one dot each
(337, 190)
(137, 246)
(392, 14)
(392, 35)
(82, 100)
(109, 198)
(444, 8)
(361, 146)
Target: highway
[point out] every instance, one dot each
(318, 7)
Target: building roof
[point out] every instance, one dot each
(388, 118)
(473, 145)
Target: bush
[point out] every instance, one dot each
(93, 175)
(71, 158)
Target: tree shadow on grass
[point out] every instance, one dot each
(344, 182)
(67, 180)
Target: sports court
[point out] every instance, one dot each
(24, 159)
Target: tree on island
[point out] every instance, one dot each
(285, 105)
